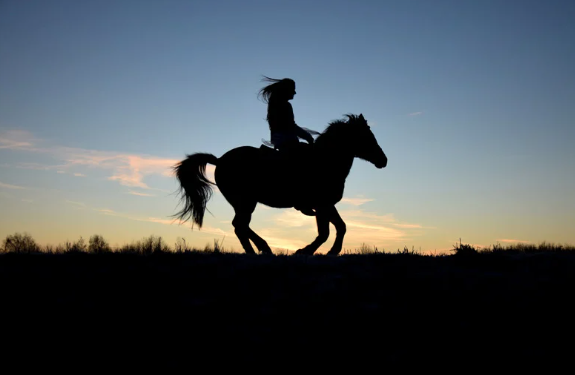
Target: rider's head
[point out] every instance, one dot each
(278, 89)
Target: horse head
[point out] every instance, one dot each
(363, 141)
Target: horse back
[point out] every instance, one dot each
(271, 177)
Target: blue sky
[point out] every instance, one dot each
(472, 101)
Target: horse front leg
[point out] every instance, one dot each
(322, 221)
(340, 228)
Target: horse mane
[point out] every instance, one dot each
(337, 128)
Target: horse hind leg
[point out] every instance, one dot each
(241, 228)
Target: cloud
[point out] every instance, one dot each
(131, 169)
(127, 169)
(15, 187)
(356, 201)
(35, 166)
(380, 228)
(77, 204)
(15, 139)
(415, 114)
(362, 227)
(512, 241)
(368, 216)
(278, 240)
(140, 194)
(12, 145)
(293, 218)
(407, 226)
(205, 228)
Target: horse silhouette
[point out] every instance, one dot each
(311, 176)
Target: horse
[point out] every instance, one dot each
(310, 176)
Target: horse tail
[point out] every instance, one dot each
(195, 188)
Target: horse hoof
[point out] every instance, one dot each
(303, 252)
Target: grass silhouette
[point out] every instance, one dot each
(148, 303)
(24, 243)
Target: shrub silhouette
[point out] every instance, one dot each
(20, 243)
(98, 245)
(147, 246)
(464, 249)
(76, 247)
(181, 246)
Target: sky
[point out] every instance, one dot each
(472, 102)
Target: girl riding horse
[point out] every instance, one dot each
(283, 129)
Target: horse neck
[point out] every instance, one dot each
(335, 160)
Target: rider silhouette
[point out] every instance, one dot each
(284, 131)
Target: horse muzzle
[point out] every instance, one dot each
(381, 161)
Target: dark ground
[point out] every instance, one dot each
(166, 311)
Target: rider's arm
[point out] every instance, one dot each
(303, 134)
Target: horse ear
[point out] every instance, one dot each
(361, 117)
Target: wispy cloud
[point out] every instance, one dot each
(362, 227)
(4, 143)
(15, 139)
(77, 204)
(127, 169)
(505, 240)
(205, 228)
(356, 201)
(277, 240)
(140, 194)
(368, 216)
(15, 187)
(407, 226)
(415, 114)
(36, 166)
(294, 219)
(130, 170)
(165, 221)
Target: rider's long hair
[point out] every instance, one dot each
(277, 87)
